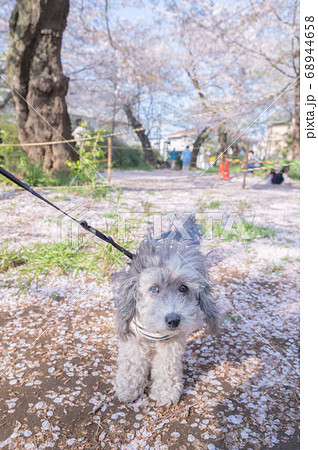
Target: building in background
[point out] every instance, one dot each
(277, 142)
(178, 141)
(181, 139)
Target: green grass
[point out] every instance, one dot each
(294, 172)
(242, 206)
(287, 258)
(110, 215)
(98, 259)
(42, 258)
(275, 268)
(294, 169)
(204, 204)
(97, 192)
(10, 258)
(242, 231)
(21, 286)
(214, 204)
(257, 231)
(278, 267)
(100, 191)
(235, 320)
(61, 257)
(55, 296)
(61, 198)
(146, 205)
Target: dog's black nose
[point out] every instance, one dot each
(173, 320)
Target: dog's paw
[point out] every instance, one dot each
(166, 394)
(129, 388)
(127, 396)
(165, 399)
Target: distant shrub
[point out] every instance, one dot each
(294, 169)
(10, 156)
(126, 157)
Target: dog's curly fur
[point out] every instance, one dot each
(166, 279)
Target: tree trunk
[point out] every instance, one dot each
(200, 139)
(296, 130)
(145, 143)
(236, 149)
(222, 136)
(35, 72)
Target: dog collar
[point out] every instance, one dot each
(153, 336)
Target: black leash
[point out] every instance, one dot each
(82, 223)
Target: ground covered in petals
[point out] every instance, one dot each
(57, 337)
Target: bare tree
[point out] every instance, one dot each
(38, 84)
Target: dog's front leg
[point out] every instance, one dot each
(166, 372)
(133, 369)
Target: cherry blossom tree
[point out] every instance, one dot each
(117, 69)
(222, 63)
(237, 55)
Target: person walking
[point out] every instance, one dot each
(186, 159)
(173, 157)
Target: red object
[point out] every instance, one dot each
(221, 168)
(226, 170)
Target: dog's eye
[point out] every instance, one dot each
(183, 288)
(154, 289)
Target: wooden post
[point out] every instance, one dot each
(245, 165)
(109, 162)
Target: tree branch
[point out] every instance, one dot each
(107, 26)
(6, 100)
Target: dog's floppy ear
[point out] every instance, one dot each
(126, 305)
(210, 310)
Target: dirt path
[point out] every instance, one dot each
(59, 348)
